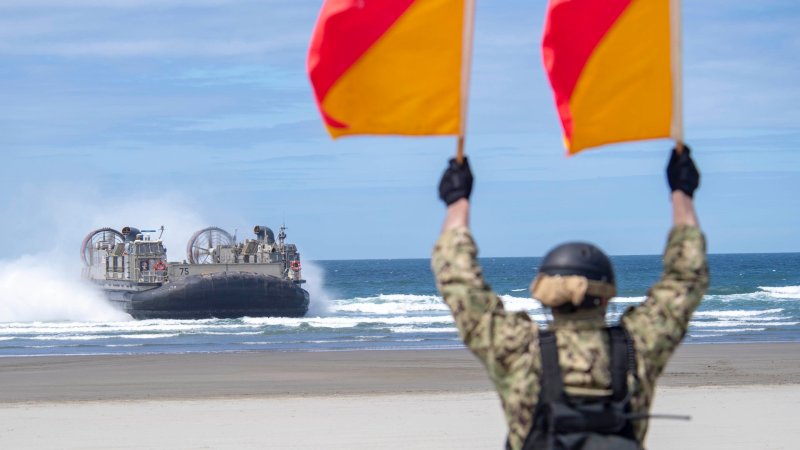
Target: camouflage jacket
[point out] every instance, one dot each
(507, 342)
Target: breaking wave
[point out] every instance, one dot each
(387, 320)
(737, 313)
(790, 292)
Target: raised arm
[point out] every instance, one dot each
(457, 215)
(660, 323)
(493, 335)
(683, 210)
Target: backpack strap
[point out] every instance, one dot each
(623, 360)
(551, 384)
(582, 420)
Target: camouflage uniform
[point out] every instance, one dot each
(507, 343)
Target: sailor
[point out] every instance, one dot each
(575, 281)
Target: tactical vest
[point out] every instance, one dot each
(564, 422)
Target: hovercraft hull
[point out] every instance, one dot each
(224, 295)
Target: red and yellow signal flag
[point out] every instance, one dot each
(614, 66)
(392, 66)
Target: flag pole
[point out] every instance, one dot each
(466, 65)
(676, 58)
(460, 149)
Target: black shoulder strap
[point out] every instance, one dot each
(622, 361)
(551, 383)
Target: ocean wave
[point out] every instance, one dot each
(105, 336)
(390, 317)
(347, 322)
(114, 327)
(739, 330)
(788, 292)
(628, 299)
(737, 313)
(149, 336)
(49, 346)
(69, 338)
(738, 323)
(409, 329)
(226, 333)
(764, 293)
(391, 304)
(767, 319)
(244, 326)
(512, 303)
(393, 298)
(388, 308)
(388, 304)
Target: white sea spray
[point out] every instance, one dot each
(42, 288)
(319, 298)
(45, 285)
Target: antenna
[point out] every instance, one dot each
(282, 235)
(162, 232)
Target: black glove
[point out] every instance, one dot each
(682, 174)
(456, 182)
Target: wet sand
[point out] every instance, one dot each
(367, 399)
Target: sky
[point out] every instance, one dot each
(191, 113)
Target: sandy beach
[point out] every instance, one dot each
(739, 396)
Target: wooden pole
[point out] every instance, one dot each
(676, 58)
(460, 150)
(466, 66)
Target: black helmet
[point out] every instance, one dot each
(578, 258)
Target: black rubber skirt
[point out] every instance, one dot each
(223, 295)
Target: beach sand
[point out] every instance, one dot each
(739, 396)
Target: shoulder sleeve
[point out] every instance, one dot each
(495, 336)
(659, 324)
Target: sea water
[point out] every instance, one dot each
(394, 304)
